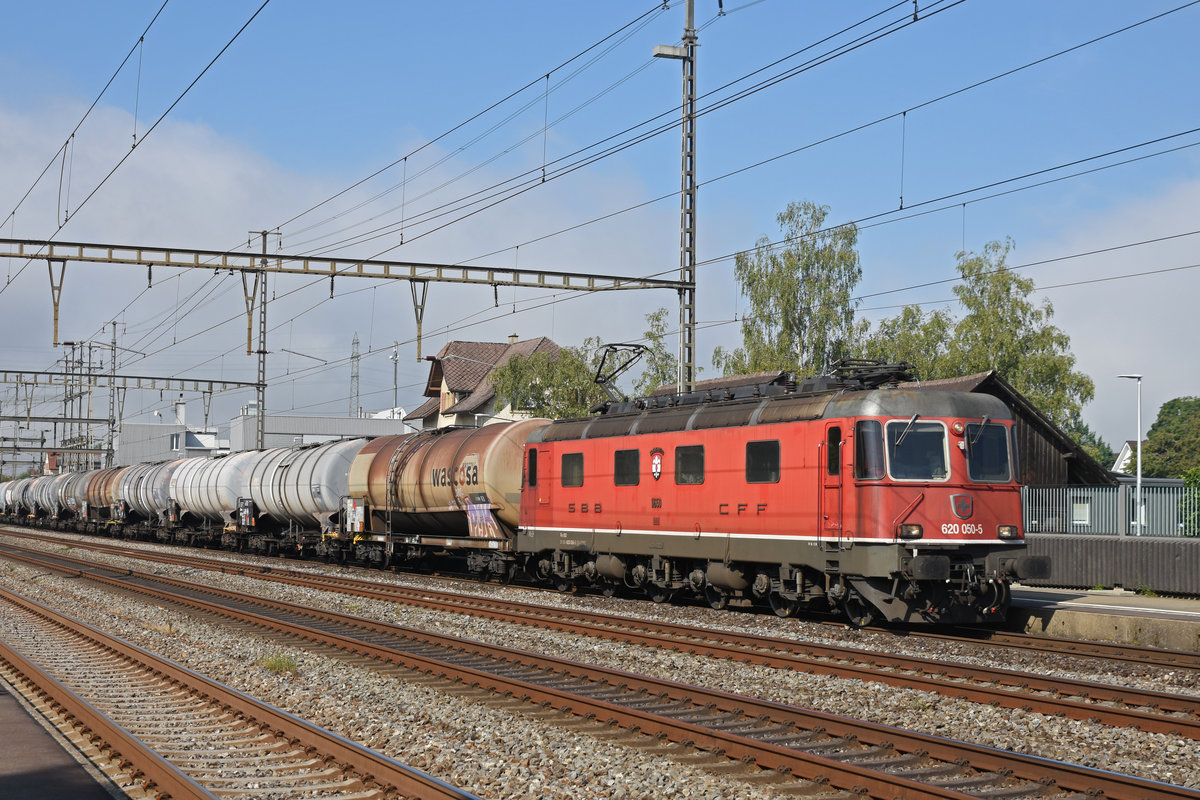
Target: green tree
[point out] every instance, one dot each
(1172, 446)
(662, 365)
(1092, 444)
(1001, 328)
(558, 386)
(921, 338)
(801, 305)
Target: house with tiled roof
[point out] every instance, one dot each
(458, 388)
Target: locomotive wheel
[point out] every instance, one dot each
(859, 613)
(716, 598)
(608, 588)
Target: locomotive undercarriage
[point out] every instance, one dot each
(862, 583)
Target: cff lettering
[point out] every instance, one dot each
(741, 508)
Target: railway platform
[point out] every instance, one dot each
(1111, 615)
(38, 764)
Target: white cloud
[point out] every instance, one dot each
(1143, 324)
(187, 186)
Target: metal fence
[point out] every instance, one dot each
(1109, 510)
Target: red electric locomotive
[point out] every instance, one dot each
(889, 503)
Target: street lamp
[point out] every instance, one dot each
(1138, 494)
(395, 359)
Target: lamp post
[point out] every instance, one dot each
(1137, 514)
(687, 201)
(395, 358)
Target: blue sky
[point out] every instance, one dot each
(313, 97)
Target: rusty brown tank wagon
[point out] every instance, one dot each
(451, 488)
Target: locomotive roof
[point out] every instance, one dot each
(775, 408)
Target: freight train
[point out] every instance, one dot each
(848, 493)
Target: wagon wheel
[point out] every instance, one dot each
(783, 606)
(859, 613)
(659, 594)
(608, 588)
(715, 597)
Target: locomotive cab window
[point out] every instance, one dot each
(572, 469)
(987, 453)
(762, 462)
(916, 450)
(689, 464)
(625, 468)
(868, 450)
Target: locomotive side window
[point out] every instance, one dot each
(625, 468)
(987, 453)
(762, 462)
(532, 471)
(917, 450)
(572, 469)
(689, 464)
(868, 450)
(833, 451)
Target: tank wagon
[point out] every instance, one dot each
(880, 502)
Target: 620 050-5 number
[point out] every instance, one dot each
(961, 528)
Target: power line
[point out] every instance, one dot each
(532, 178)
(658, 8)
(12, 214)
(149, 131)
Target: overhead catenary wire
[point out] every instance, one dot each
(530, 179)
(149, 131)
(86, 114)
(656, 9)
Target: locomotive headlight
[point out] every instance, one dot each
(910, 531)
(1007, 531)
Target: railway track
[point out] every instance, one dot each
(812, 748)
(1151, 711)
(1121, 653)
(180, 734)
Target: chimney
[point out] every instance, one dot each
(180, 412)
(513, 338)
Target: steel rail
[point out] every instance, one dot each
(1138, 655)
(371, 766)
(1081, 699)
(155, 772)
(1069, 777)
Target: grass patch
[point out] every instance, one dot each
(280, 663)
